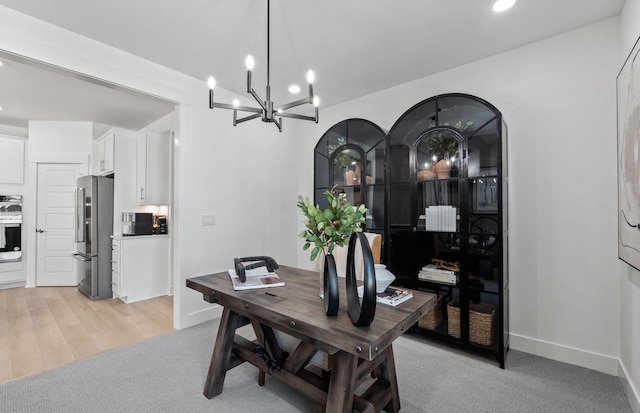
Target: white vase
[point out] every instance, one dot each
(384, 277)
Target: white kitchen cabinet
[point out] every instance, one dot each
(11, 160)
(10, 273)
(104, 153)
(140, 267)
(153, 168)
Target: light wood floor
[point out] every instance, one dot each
(45, 327)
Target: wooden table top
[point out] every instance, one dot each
(297, 309)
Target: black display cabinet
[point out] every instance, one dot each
(436, 189)
(447, 175)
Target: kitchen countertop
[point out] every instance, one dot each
(126, 237)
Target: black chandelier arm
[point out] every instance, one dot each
(246, 118)
(278, 123)
(301, 117)
(295, 103)
(258, 99)
(232, 107)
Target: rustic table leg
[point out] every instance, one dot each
(387, 372)
(342, 384)
(221, 353)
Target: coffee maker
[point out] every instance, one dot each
(160, 224)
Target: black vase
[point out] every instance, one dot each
(331, 292)
(361, 314)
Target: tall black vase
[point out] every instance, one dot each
(361, 314)
(331, 292)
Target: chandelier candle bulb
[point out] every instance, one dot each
(249, 62)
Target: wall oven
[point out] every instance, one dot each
(10, 228)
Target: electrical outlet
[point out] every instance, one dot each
(208, 219)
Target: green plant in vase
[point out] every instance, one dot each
(332, 226)
(326, 229)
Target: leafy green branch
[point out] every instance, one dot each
(332, 226)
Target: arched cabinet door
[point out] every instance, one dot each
(351, 154)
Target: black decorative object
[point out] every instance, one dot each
(361, 314)
(254, 262)
(331, 291)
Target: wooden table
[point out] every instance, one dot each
(296, 309)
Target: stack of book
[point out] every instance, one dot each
(431, 273)
(391, 296)
(255, 278)
(440, 218)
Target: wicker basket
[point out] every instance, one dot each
(481, 322)
(433, 318)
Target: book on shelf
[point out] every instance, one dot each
(440, 218)
(434, 269)
(438, 277)
(255, 278)
(391, 296)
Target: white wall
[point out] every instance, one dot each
(630, 278)
(558, 98)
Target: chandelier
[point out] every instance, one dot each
(268, 110)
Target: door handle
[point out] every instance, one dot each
(40, 230)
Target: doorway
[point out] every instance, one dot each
(56, 183)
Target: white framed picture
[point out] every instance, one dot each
(628, 112)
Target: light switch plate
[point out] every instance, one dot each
(208, 219)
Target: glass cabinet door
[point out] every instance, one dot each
(351, 155)
(347, 174)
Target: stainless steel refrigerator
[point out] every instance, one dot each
(93, 230)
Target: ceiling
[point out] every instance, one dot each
(355, 47)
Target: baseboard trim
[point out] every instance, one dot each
(4, 286)
(629, 388)
(566, 354)
(201, 316)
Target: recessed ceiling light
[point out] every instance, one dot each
(1, 63)
(294, 89)
(502, 5)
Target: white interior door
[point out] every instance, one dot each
(55, 265)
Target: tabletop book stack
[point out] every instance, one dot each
(431, 273)
(394, 296)
(391, 296)
(255, 278)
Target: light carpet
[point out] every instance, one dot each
(167, 374)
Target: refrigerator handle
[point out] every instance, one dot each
(80, 257)
(80, 215)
